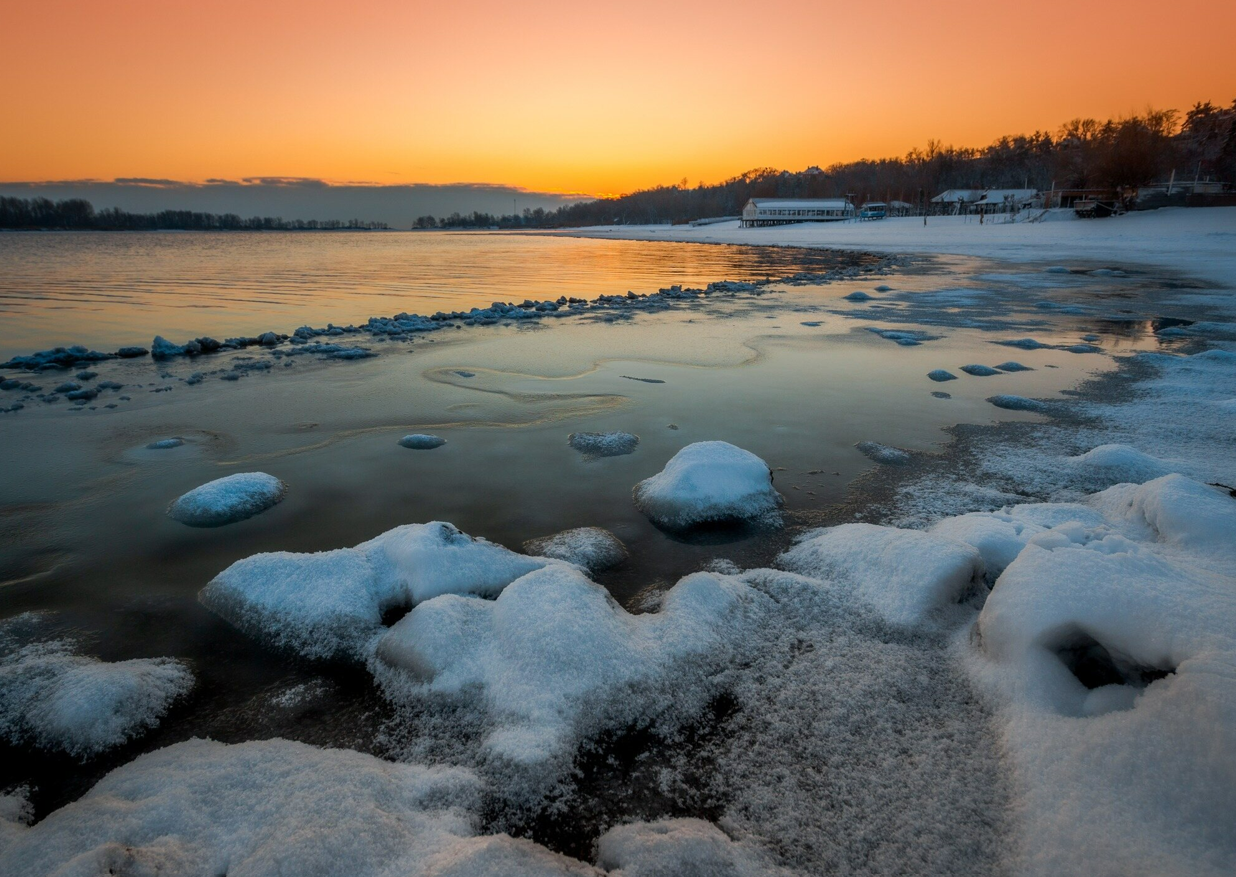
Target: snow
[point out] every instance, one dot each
(604, 444)
(592, 548)
(883, 453)
(276, 807)
(54, 698)
(1111, 645)
(557, 660)
(1116, 463)
(228, 500)
(422, 442)
(330, 603)
(904, 575)
(708, 482)
(677, 848)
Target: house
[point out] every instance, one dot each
(783, 211)
(957, 200)
(900, 208)
(1006, 200)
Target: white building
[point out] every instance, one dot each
(1006, 200)
(782, 211)
(958, 200)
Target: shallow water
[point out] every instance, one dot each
(83, 534)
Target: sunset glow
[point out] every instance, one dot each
(570, 97)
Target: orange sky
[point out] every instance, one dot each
(570, 96)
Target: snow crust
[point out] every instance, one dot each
(708, 482)
(228, 500)
(592, 548)
(330, 603)
(54, 698)
(555, 658)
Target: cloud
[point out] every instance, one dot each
(295, 197)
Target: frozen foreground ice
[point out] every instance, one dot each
(228, 500)
(708, 482)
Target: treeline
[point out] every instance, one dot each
(1084, 153)
(79, 214)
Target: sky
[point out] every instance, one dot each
(569, 97)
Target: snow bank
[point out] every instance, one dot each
(1115, 464)
(556, 659)
(276, 807)
(330, 603)
(422, 442)
(902, 574)
(54, 698)
(592, 548)
(677, 848)
(603, 444)
(228, 500)
(708, 482)
(1112, 645)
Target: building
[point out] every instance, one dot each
(957, 200)
(900, 208)
(873, 210)
(783, 211)
(1006, 200)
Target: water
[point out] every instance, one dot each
(84, 538)
(118, 289)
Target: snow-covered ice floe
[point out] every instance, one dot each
(330, 603)
(603, 444)
(55, 698)
(592, 548)
(708, 482)
(228, 500)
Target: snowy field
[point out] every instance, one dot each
(930, 569)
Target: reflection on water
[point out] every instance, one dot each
(793, 377)
(116, 289)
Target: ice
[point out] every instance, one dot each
(1024, 343)
(556, 659)
(1018, 403)
(904, 337)
(1012, 366)
(603, 444)
(422, 442)
(904, 575)
(1083, 348)
(1056, 269)
(1112, 646)
(858, 295)
(883, 287)
(54, 698)
(228, 500)
(981, 371)
(884, 454)
(940, 375)
(941, 395)
(272, 807)
(57, 358)
(678, 848)
(708, 482)
(592, 548)
(165, 444)
(1115, 463)
(330, 603)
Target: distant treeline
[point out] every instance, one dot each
(1084, 153)
(77, 213)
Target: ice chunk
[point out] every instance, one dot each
(1018, 403)
(228, 500)
(858, 295)
(165, 444)
(883, 453)
(1113, 464)
(1012, 366)
(1023, 343)
(330, 604)
(277, 807)
(883, 287)
(708, 482)
(902, 574)
(904, 337)
(592, 548)
(557, 659)
(941, 395)
(54, 698)
(422, 442)
(1056, 269)
(982, 371)
(940, 375)
(678, 848)
(603, 444)
(1083, 348)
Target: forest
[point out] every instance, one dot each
(79, 214)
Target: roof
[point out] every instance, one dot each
(999, 196)
(951, 195)
(800, 203)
